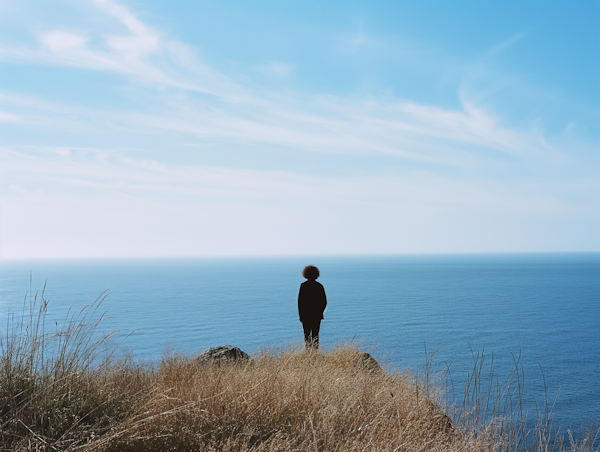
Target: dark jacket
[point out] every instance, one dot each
(312, 301)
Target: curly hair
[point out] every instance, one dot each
(310, 272)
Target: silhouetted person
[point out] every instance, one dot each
(312, 302)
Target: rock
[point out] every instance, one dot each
(217, 355)
(367, 362)
(361, 361)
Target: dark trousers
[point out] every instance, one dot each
(311, 332)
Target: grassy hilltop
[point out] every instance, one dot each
(64, 391)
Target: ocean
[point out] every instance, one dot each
(540, 309)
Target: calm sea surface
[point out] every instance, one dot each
(543, 307)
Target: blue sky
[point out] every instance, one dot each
(191, 128)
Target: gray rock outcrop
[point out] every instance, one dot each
(367, 362)
(224, 353)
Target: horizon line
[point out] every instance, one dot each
(307, 255)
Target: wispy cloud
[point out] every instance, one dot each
(84, 194)
(276, 68)
(317, 123)
(7, 117)
(360, 39)
(61, 41)
(137, 51)
(113, 171)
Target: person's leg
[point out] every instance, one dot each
(315, 333)
(307, 329)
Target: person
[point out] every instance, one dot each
(312, 302)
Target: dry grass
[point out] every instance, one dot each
(290, 401)
(60, 388)
(63, 391)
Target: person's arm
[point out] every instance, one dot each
(300, 303)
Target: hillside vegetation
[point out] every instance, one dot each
(65, 391)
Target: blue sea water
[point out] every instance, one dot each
(544, 308)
